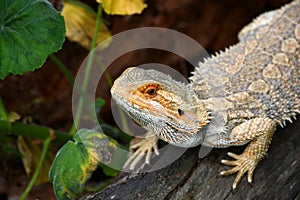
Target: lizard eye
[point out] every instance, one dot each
(151, 90)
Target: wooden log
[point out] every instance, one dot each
(276, 177)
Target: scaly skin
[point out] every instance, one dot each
(236, 97)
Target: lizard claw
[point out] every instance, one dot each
(144, 147)
(241, 165)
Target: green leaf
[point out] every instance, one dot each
(30, 30)
(77, 159)
(108, 171)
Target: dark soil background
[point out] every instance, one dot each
(45, 94)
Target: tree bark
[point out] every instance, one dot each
(277, 176)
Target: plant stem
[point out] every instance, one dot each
(68, 75)
(38, 168)
(88, 69)
(3, 113)
(29, 130)
(4, 123)
(106, 75)
(38, 132)
(62, 68)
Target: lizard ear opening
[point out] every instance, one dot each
(180, 112)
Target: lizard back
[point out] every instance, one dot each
(259, 76)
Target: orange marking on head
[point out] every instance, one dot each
(148, 91)
(152, 92)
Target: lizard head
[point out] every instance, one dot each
(163, 106)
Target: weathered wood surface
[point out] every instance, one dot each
(276, 177)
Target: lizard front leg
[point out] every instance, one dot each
(259, 131)
(143, 147)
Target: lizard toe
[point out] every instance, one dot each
(241, 165)
(144, 148)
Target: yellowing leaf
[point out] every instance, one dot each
(31, 152)
(80, 24)
(13, 116)
(123, 7)
(77, 159)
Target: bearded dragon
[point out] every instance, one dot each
(249, 89)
